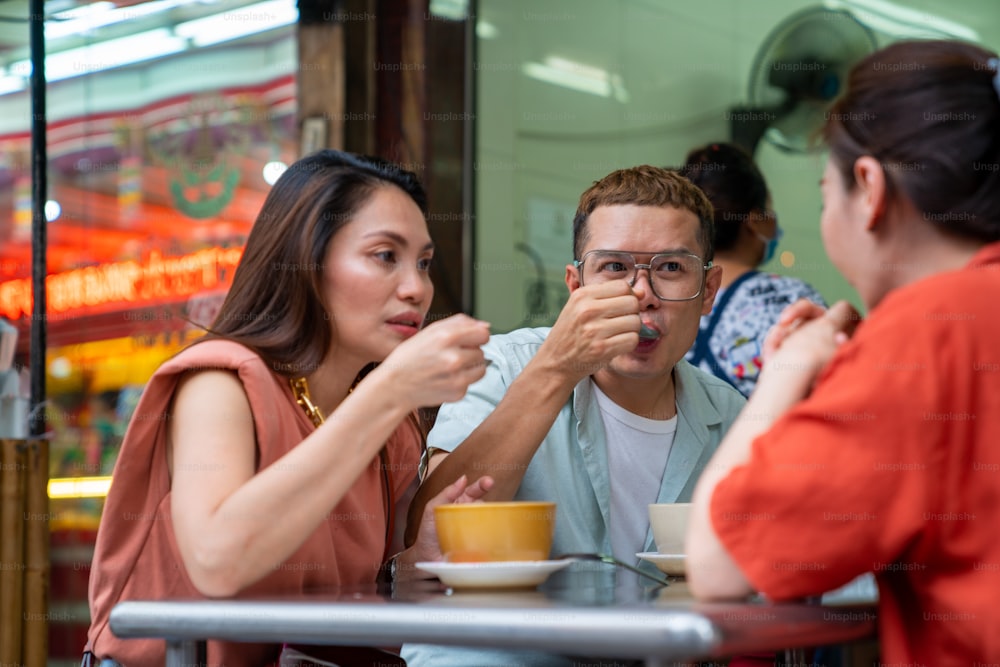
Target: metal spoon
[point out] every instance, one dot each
(604, 558)
(645, 333)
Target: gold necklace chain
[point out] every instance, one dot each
(300, 388)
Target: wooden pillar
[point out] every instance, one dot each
(11, 550)
(421, 123)
(37, 560)
(336, 77)
(360, 24)
(321, 75)
(450, 128)
(389, 79)
(401, 83)
(24, 552)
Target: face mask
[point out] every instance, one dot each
(771, 244)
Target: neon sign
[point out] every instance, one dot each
(155, 279)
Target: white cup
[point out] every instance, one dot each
(669, 522)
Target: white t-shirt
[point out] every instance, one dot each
(638, 449)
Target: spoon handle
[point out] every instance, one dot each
(611, 560)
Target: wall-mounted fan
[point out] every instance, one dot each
(796, 74)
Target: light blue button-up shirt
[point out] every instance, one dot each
(571, 464)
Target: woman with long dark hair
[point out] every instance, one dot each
(269, 456)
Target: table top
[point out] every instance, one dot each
(581, 611)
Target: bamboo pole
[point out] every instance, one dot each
(11, 550)
(36, 554)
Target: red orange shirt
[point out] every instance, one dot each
(891, 466)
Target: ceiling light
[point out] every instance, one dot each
(106, 55)
(577, 76)
(273, 170)
(456, 10)
(82, 11)
(52, 210)
(82, 20)
(238, 23)
(11, 84)
(486, 30)
(60, 368)
(903, 22)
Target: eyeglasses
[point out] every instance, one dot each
(673, 276)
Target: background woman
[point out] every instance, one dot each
(731, 338)
(258, 460)
(878, 449)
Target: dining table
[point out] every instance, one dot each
(587, 610)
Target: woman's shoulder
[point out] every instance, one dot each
(213, 354)
(267, 390)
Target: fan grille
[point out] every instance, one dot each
(799, 70)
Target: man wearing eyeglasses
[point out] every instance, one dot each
(537, 422)
(600, 413)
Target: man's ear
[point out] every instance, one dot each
(713, 280)
(572, 278)
(873, 188)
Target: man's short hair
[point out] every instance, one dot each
(645, 186)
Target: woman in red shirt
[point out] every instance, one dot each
(874, 446)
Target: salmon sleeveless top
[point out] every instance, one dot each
(136, 555)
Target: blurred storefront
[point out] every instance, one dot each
(157, 168)
(167, 123)
(156, 202)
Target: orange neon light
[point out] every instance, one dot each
(157, 278)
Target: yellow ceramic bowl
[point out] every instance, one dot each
(479, 532)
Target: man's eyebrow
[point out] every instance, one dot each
(666, 251)
(683, 249)
(397, 238)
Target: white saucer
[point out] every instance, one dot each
(667, 563)
(505, 574)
